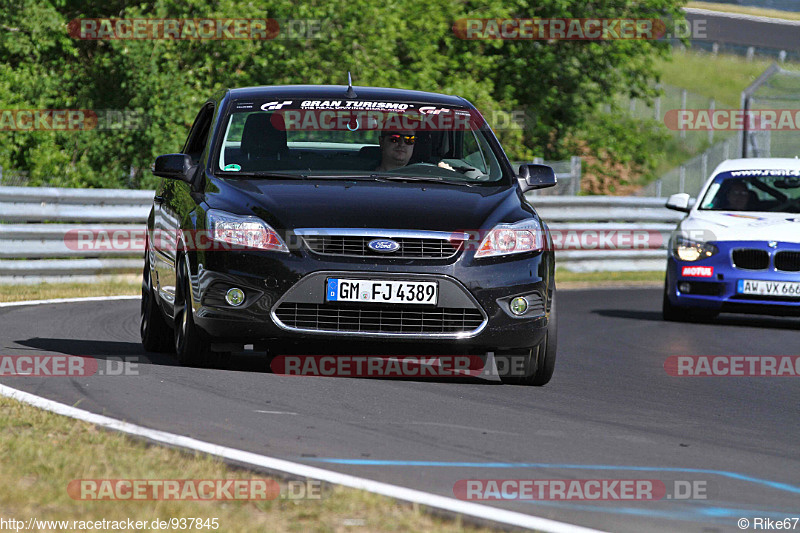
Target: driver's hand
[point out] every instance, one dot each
(442, 164)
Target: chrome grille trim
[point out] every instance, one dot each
(352, 242)
(404, 321)
(299, 294)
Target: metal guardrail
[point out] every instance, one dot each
(37, 228)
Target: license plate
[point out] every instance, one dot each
(382, 291)
(788, 289)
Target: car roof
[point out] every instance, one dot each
(337, 92)
(755, 163)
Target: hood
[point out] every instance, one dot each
(744, 226)
(286, 204)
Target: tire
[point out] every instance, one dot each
(190, 348)
(540, 360)
(154, 329)
(673, 313)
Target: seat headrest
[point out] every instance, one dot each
(264, 136)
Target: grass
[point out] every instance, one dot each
(17, 293)
(566, 279)
(746, 10)
(722, 77)
(43, 452)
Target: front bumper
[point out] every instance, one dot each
(713, 282)
(474, 293)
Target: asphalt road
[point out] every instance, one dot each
(733, 29)
(611, 411)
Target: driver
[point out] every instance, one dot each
(397, 147)
(737, 196)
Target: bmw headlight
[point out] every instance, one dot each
(505, 239)
(243, 231)
(689, 250)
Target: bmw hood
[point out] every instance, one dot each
(743, 226)
(370, 204)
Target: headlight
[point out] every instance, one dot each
(689, 250)
(244, 231)
(505, 239)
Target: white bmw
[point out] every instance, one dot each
(738, 249)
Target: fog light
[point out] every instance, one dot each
(519, 306)
(234, 297)
(685, 286)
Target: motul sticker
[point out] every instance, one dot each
(697, 271)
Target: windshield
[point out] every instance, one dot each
(352, 139)
(754, 190)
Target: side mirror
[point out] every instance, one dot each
(174, 167)
(679, 202)
(534, 176)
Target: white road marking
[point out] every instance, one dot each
(492, 514)
(740, 16)
(69, 300)
(274, 412)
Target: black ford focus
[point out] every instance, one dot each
(300, 214)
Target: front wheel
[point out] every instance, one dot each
(190, 348)
(672, 313)
(537, 363)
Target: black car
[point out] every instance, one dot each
(298, 214)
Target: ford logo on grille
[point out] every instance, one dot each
(385, 246)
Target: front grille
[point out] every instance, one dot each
(400, 320)
(788, 261)
(750, 259)
(410, 247)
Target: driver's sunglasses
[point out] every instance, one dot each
(408, 139)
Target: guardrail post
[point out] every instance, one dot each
(712, 105)
(682, 179)
(703, 166)
(684, 94)
(575, 174)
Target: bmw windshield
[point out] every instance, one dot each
(766, 190)
(357, 139)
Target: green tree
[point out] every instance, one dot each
(559, 84)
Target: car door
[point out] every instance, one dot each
(173, 201)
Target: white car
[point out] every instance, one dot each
(738, 249)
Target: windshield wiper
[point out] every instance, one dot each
(262, 174)
(379, 177)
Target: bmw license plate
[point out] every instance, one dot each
(382, 291)
(788, 289)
